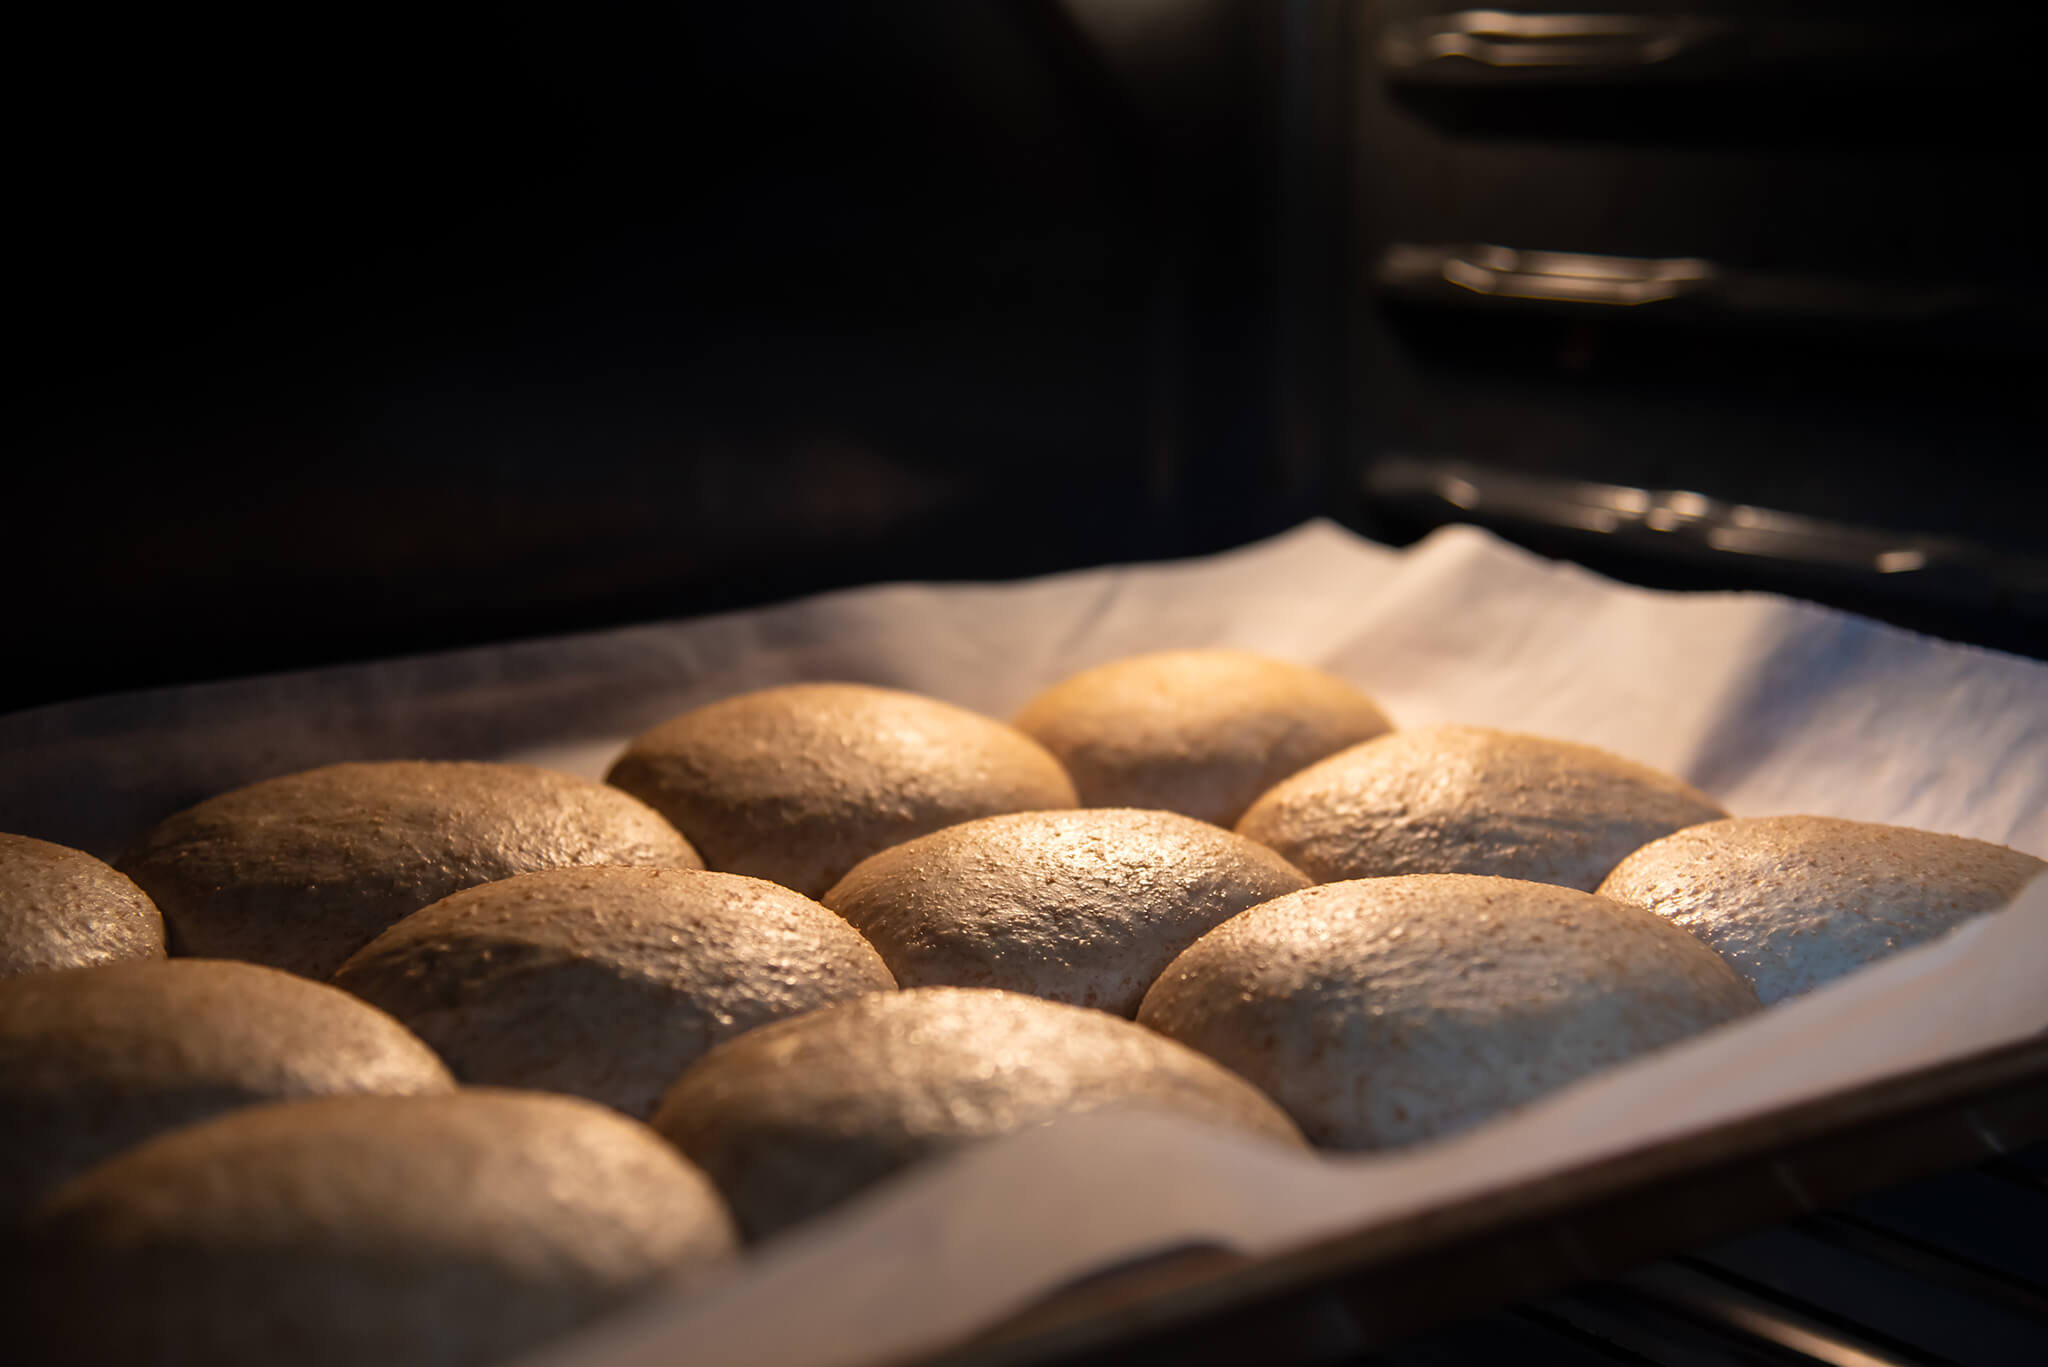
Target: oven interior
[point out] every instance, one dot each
(357, 333)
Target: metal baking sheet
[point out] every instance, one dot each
(1769, 704)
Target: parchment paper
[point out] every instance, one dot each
(1770, 705)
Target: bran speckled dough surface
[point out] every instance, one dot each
(1766, 705)
(607, 982)
(62, 908)
(303, 869)
(1796, 901)
(1084, 907)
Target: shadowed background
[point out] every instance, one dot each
(356, 332)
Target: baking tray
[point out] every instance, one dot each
(1770, 704)
(1378, 1285)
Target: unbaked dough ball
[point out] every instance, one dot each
(1385, 1011)
(448, 1231)
(62, 908)
(300, 872)
(795, 1117)
(96, 1060)
(1085, 907)
(1202, 732)
(798, 784)
(1466, 799)
(608, 982)
(1793, 901)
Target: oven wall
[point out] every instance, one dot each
(359, 332)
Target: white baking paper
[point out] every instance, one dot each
(1770, 705)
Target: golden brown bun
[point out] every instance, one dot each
(1390, 1010)
(798, 1116)
(1084, 907)
(1793, 901)
(607, 983)
(300, 872)
(62, 908)
(94, 1060)
(798, 784)
(1201, 732)
(1466, 799)
(444, 1231)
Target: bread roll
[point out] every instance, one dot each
(1465, 799)
(798, 784)
(607, 983)
(797, 1116)
(94, 1060)
(1201, 732)
(1390, 1010)
(62, 908)
(447, 1231)
(300, 872)
(1085, 907)
(1794, 901)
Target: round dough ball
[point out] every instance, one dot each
(607, 983)
(1794, 901)
(1201, 732)
(62, 908)
(444, 1231)
(798, 784)
(302, 871)
(1466, 799)
(798, 1116)
(95, 1060)
(1391, 1010)
(1084, 907)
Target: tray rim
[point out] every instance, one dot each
(1739, 1174)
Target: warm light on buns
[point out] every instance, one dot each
(1085, 907)
(62, 908)
(300, 872)
(798, 784)
(1201, 732)
(606, 983)
(448, 1231)
(1794, 901)
(1467, 799)
(1386, 1011)
(94, 1060)
(795, 1117)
